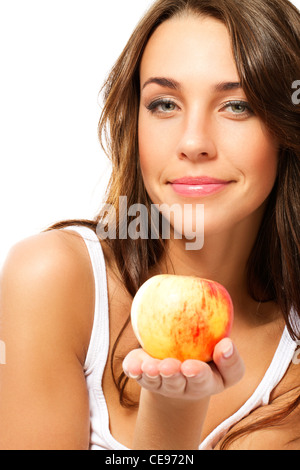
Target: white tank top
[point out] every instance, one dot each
(101, 438)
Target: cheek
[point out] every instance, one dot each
(153, 152)
(257, 160)
(145, 151)
(264, 164)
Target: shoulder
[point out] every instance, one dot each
(47, 279)
(48, 247)
(275, 426)
(44, 250)
(46, 314)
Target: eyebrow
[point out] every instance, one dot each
(174, 85)
(227, 86)
(164, 82)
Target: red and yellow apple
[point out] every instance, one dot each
(181, 317)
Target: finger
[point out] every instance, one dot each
(228, 362)
(150, 367)
(202, 379)
(152, 384)
(132, 364)
(192, 368)
(150, 379)
(169, 367)
(161, 376)
(173, 383)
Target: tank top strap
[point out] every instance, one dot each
(99, 342)
(261, 396)
(97, 355)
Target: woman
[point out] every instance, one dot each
(198, 110)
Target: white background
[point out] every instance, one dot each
(54, 56)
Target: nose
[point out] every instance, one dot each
(197, 140)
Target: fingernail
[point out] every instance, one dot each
(165, 376)
(151, 376)
(195, 376)
(228, 351)
(134, 377)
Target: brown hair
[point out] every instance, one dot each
(265, 38)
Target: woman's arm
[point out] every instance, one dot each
(169, 424)
(175, 395)
(43, 395)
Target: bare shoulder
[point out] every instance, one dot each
(50, 271)
(46, 315)
(46, 249)
(275, 426)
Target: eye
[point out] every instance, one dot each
(238, 108)
(162, 106)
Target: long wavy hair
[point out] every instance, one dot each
(265, 37)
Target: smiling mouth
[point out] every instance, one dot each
(198, 186)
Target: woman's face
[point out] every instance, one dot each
(199, 141)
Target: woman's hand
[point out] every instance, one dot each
(189, 380)
(175, 395)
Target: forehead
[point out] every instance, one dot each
(187, 47)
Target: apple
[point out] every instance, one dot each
(181, 317)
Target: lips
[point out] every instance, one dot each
(198, 186)
(198, 180)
